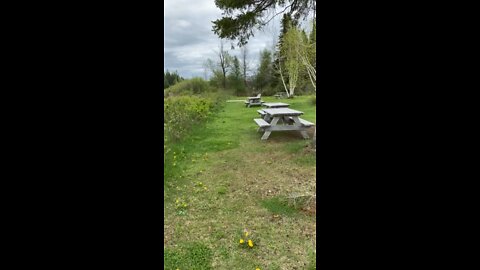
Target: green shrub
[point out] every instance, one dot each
(198, 85)
(181, 112)
(269, 91)
(188, 87)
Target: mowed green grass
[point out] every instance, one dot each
(225, 180)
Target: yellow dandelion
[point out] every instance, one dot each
(242, 241)
(246, 233)
(250, 243)
(255, 268)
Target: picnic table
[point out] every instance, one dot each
(253, 101)
(275, 105)
(290, 121)
(280, 95)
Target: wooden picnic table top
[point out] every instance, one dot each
(275, 104)
(282, 112)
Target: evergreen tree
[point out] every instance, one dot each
(235, 77)
(264, 72)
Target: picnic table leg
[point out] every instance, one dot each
(302, 130)
(304, 134)
(268, 132)
(266, 135)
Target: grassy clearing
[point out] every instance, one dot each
(226, 180)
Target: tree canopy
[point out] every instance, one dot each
(170, 79)
(240, 17)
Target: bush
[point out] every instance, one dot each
(181, 112)
(198, 85)
(188, 87)
(269, 91)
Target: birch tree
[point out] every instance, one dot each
(244, 53)
(292, 59)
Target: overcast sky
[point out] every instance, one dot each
(188, 38)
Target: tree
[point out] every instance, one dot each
(224, 63)
(165, 82)
(170, 79)
(235, 77)
(306, 52)
(279, 63)
(244, 52)
(292, 60)
(239, 18)
(264, 72)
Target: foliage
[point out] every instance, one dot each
(183, 111)
(281, 80)
(240, 17)
(292, 61)
(270, 91)
(181, 114)
(170, 79)
(264, 73)
(188, 87)
(235, 78)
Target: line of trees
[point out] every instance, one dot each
(289, 67)
(170, 79)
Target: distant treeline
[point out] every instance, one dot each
(170, 79)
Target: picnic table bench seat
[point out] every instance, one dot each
(303, 121)
(261, 123)
(261, 112)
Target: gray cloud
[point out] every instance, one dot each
(189, 40)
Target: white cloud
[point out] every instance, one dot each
(189, 40)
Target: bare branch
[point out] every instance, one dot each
(265, 23)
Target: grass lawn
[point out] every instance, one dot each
(226, 179)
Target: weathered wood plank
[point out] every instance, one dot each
(282, 112)
(261, 112)
(285, 128)
(305, 122)
(261, 123)
(275, 104)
